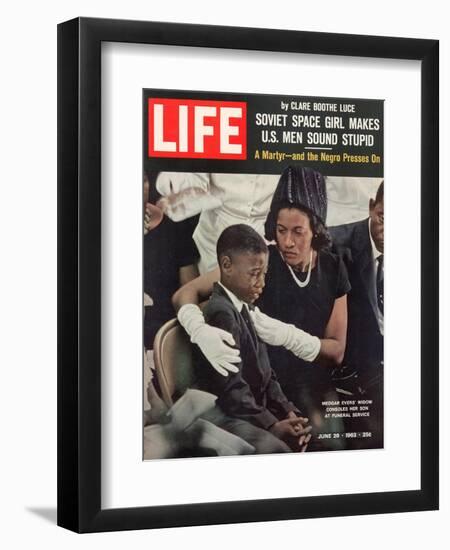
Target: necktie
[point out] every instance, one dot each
(380, 283)
(246, 316)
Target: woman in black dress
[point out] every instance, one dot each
(306, 286)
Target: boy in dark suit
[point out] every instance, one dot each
(250, 403)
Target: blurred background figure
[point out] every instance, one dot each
(170, 259)
(221, 200)
(361, 246)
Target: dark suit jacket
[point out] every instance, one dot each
(364, 351)
(253, 394)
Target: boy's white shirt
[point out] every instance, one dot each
(238, 304)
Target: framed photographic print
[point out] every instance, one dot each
(229, 309)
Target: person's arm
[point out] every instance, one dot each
(213, 342)
(328, 351)
(169, 183)
(196, 290)
(187, 273)
(276, 333)
(235, 396)
(332, 346)
(278, 404)
(185, 194)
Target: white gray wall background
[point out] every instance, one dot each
(348, 198)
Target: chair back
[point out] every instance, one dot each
(172, 352)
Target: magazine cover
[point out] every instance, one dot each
(263, 258)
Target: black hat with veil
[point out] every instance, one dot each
(298, 187)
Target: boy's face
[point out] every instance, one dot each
(244, 274)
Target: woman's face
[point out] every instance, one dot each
(294, 236)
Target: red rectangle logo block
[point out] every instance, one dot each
(196, 128)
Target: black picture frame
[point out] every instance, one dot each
(79, 274)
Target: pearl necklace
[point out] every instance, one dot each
(299, 283)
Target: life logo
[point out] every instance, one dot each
(196, 128)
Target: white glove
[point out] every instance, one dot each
(276, 333)
(211, 340)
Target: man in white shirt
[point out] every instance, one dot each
(222, 199)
